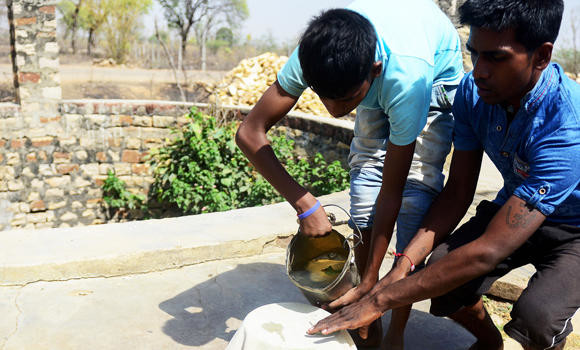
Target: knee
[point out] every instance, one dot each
(438, 254)
(534, 326)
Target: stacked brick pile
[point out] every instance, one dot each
(245, 84)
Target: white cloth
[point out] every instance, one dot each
(283, 326)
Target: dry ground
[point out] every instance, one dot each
(500, 313)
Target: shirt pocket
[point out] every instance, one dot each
(520, 167)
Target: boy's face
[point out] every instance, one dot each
(340, 107)
(503, 69)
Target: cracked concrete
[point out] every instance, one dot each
(197, 306)
(10, 312)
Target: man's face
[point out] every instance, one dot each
(502, 67)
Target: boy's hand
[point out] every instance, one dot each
(316, 224)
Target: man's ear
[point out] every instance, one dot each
(543, 56)
(377, 69)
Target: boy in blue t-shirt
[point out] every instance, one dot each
(524, 112)
(398, 63)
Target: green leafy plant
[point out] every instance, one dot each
(116, 195)
(202, 170)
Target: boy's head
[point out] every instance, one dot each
(511, 43)
(337, 56)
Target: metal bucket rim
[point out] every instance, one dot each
(337, 280)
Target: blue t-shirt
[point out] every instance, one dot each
(419, 48)
(538, 154)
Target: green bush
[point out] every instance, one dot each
(202, 170)
(116, 195)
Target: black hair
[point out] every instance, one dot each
(534, 21)
(337, 52)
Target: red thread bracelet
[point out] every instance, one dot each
(406, 256)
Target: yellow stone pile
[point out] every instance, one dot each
(245, 84)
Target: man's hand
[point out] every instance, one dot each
(352, 296)
(357, 315)
(316, 224)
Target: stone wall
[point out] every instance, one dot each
(34, 52)
(51, 176)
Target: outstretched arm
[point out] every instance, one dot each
(252, 140)
(509, 229)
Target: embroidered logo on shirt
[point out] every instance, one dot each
(521, 168)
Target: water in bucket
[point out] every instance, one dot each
(322, 268)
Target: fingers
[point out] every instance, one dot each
(316, 225)
(346, 299)
(328, 325)
(363, 332)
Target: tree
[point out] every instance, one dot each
(202, 16)
(226, 35)
(182, 15)
(232, 12)
(121, 29)
(73, 17)
(97, 12)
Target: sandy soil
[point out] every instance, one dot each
(86, 81)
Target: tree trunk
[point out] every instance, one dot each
(180, 58)
(203, 51)
(90, 41)
(183, 48)
(74, 27)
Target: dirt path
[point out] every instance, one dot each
(87, 81)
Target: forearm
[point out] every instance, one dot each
(382, 233)
(456, 269)
(255, 145)
(513, 224)
(447, 209)
(252, 140)
(445, 213)
(395, 171)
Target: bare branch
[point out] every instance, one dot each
(171, 63)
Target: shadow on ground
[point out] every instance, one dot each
(214, 309)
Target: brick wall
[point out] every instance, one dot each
(51, 174)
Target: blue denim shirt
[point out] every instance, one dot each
(538, 154)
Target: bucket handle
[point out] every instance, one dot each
(354, 233)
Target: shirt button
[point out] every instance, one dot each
(498, 128)
(542, 190)
(505, 154)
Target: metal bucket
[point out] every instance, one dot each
(303, 249)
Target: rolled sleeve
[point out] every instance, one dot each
(290, 76)
(554, 170)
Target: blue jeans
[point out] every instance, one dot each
(425, 178)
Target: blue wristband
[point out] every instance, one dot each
(309, 211)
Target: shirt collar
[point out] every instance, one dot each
(533, 99)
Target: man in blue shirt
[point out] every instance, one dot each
(524, 112)
(398, 63)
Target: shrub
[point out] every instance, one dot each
(116, 195)
(202, 170)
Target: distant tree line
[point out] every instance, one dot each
(118, 23)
